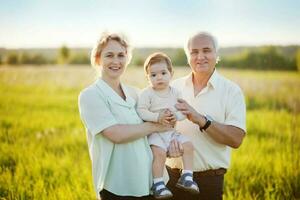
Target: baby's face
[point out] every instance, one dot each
(159, 75)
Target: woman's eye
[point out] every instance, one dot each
(109, 56)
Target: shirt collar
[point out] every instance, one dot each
(111, 94)
(212, 81)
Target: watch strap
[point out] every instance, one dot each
(206, 125)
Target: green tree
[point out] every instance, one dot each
(298, 59)
(63, 55)
(179, 58)
(38, 59)
(272, 59)
(25, 58)
(35, 59)
(137, 60)
(79, 59)
(12, 59)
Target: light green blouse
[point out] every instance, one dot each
(123, 169)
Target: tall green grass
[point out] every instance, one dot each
(44, 155)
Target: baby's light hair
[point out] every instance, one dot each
(157, 58)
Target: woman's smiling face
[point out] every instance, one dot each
(113, 60)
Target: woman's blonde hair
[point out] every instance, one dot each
(102, 42)
(157, 58)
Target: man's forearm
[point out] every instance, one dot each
(223, 134)
(226, 134)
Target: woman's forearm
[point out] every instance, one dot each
(128, 132)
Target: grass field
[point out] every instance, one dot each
(44, 155)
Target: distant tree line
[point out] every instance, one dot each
(64, 56)
(266, 58)
(262, 58)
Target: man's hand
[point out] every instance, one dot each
(221, 133)
(190, 112)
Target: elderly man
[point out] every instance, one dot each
(216, 113)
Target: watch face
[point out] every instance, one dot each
(209, 118)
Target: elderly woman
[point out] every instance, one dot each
(119, 151)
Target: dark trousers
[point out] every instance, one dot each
(210, 186)
(106, 195)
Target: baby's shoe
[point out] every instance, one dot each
(160, 191)
(188, 184)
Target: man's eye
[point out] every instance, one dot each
(121, 55)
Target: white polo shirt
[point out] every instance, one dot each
(123, 169)
(224, 102)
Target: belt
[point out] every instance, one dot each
(210, 172)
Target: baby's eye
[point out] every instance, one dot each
(164, 73)
(153, 75)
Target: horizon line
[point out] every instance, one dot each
(150, 47)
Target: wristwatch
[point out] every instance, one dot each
(207, 124)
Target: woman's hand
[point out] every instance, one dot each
(190, 112)
(157, 127)
(175, 149)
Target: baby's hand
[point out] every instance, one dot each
(172, 119)
(164, 117)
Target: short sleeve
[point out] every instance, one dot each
(236, 110)
(134, 92)
(94, 112)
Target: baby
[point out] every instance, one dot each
(157, 104)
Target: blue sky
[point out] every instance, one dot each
(155, 23)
